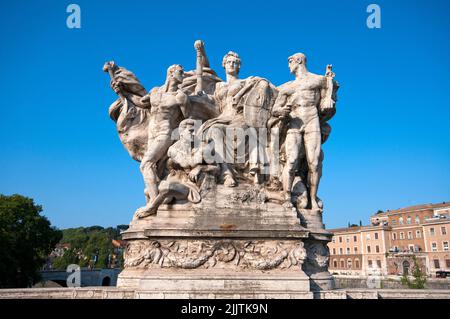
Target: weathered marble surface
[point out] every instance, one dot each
(231, 171)
(285, 127)
(121, 293)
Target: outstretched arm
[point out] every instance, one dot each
(126, 85)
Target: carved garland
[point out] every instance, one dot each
(260, 255)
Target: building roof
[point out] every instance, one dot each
(442, 219)
(397, 211)
(118, 243)
(63, 245)
(357, 229)
(344, 229)
(413, 208)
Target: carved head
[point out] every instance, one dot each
(295, 60)
(175, 73)
(187, 129)
(231, 63)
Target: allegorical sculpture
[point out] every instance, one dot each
(305, 104)
(231, 171)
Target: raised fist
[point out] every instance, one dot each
(198, 45)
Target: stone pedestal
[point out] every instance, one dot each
(232, 243)
(316, 265)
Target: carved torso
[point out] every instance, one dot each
(304, 100)
(307, 92)
(224, 95)
(165, 112)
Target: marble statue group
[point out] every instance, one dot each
(196, 130)
(231, 171)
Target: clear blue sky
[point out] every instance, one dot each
(390, 144)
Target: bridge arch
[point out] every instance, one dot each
(106, 281)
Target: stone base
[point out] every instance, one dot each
(214, 284)
(231, 243)
(224, 295)
(118, 293)
(322, 282)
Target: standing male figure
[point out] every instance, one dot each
(301, 102)
(165, 104)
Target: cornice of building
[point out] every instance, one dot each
(375, 227)
(346, 256)
(345, 230)
(359, 229)
(412, 209)
(408, 226)
(434, 221)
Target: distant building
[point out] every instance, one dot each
(393, 240)
(58, 251)
(115, 260)
(118, 243)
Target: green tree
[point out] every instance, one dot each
(90, 246)
(419, 275)
(26, 239)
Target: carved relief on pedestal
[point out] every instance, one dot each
(318, 256)
(191, 254)
(251, 195)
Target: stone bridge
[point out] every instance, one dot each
(88, 277)
(121, 293)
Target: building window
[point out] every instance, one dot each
(410, 235)
(356, 250)
(368, 249)
(347, 239)
(443, 230)
(394, 236)
(418, 234)
(376, 235)
(433, 247)
(369, 262)
(348, 250)
(340, 251)
(402, 235)
(417, 220)
(394, 222)
(335, 264)
(411, 248)
(377, 248)
(447, 263)
(340, 239)
(400, 221)
(432, 231)
(408, 220)
(334, 240)
(368, 236)
(349, 264)
(357, 263)
(445, 245)
(437, 265)
(379, 263)
(342, 264)
(334, 251)
(355, 239)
